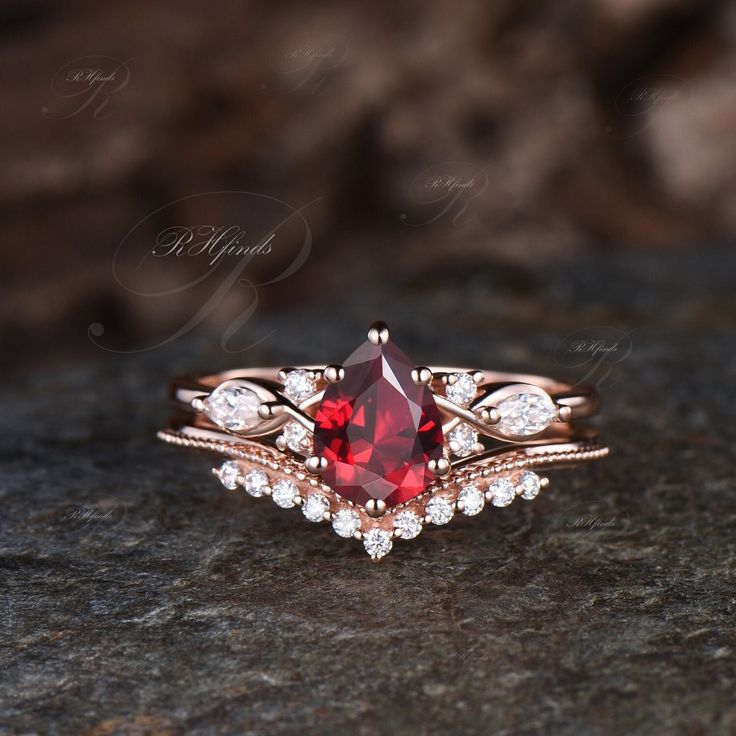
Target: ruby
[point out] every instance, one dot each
(378, 429)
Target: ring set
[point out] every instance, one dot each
(379, 447)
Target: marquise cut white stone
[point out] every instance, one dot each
(525, 414)
(233, 407)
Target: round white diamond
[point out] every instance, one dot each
(407, 524)
(228, 474)
(525, 414)
(315, 507)
(284, 493)
(233, 407)
(462, 439)
(439, 510)
(461, 392)
(472, 499)
(256, 481)
(296, 435)
(377, 542)
(529, 484)
(503, 492)
(346, 522)
(299, 385)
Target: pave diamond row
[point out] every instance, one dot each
(407, 525)
(496, 485)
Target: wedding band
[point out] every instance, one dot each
(381, 447)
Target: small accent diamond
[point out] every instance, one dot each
(228, 474)
(525, 414)
(296, 437)
(233, 407)
(346, 522)
(461, 392)
(315, 507)
(502, 491)
(472, 499)
(256, 481)
(407, 524)
(284, 493)
(377, 543)
(529, 484)
(299, 385)
(462, 439)
(439, 510)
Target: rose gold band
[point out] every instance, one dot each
(583, 400)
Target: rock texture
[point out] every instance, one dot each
(139, 597)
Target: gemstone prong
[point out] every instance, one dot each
(421, 375)
(489, 415)
(378, 333)
(439, 467)
(544, 482)
(478, 377)
(198, 405)
(315, 464)
(564, 413)
(270, 409)
(334, 373)
(375, 508)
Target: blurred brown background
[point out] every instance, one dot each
(431, 145)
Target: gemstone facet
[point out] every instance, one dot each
(503, 492)
(407, 524)
(472, 500)
(529, 484)
(463, 390)
(299, 384)
(233, 407)
(525, 414)
(296, 437)
(439, 510)
(315, 507)
(284, 493)
(378, 429)
(377, 543)
(256, 481)
(228, 474)
(346, 522)
(462, 440)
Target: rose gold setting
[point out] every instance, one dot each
(484, 406)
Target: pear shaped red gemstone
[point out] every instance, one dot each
(377, 429)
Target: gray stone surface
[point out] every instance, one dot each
(139, 597)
